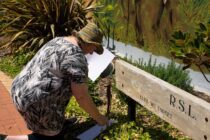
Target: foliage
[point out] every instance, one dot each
(73, 109)
(127, 131)
(139, 16)
(12, 65)
(93, 91)
(104, 16)
(192, 12)
(147, 126)
(170, 73)
(193, 48)
(30, 24)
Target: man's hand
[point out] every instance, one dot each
(80, 92)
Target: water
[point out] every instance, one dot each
(198, 81)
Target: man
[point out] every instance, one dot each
(44, 87)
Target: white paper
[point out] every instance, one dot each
(98, 63)
(94, 131)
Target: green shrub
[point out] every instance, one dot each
(126, 131)
(12, 65)
(73, 109)
(9, 67)
(30, 24)
(93, 91)
(192, 12)
(171, 73)
(147, 126)
(193, 48)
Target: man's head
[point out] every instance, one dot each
(90, 38)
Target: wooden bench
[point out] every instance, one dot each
(184, 111)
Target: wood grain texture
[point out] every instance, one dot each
(184, 111)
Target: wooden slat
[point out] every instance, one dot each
(186, 112)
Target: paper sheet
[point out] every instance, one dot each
(98, 63)
(94, 131)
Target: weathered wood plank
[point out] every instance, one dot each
(186, 112)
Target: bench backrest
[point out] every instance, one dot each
(184, 111)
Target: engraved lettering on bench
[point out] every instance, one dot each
(181, 106)
(154, 106)
(164, 112)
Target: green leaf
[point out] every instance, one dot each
(17, 35)
(41, 20)
(178, 35)
(29, 21)
(52, 27)
(202, 27)
(10, 23)
(71, 3)
(34, 42)
(25, 44)
(180, 42)
(45, 5)
(41, 41)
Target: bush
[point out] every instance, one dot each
(171, 73)
(126, 131)
(30, 24)
(93, 91)
(193, 48)
(12, 65)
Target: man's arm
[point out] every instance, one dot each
(80, 92)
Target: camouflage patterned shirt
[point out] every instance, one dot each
(42, 89)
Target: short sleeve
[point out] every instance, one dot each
(75, 67)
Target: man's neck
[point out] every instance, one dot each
(72, 40)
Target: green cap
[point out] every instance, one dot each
(93, 35)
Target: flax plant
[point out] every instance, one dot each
(31, 23)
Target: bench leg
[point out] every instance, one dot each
(131, 109)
